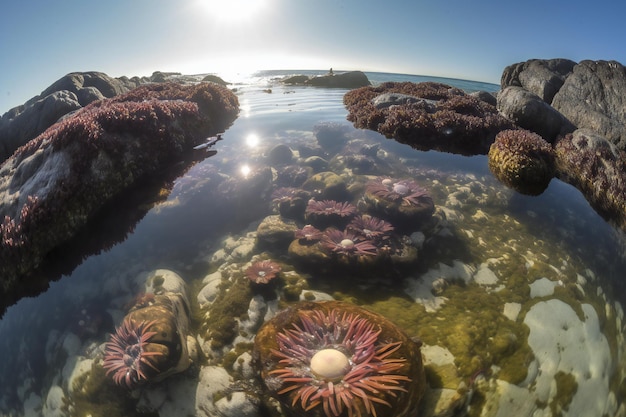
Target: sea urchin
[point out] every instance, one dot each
(336, 361)
(126, 356)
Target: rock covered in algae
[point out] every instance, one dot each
(522, 160)
(335, 359)
(151, 342)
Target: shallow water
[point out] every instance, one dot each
(493, 247)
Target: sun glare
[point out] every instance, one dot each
(234, 10)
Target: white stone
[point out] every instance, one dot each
(53, 407)
(210, 291)
(542, 287)
(32, 405)
(71, 344)
(163, 279)
(506, 400)
(256, 311)
(75, 368)
(315, 295)
(562, 342)
(212, 379)
(419, 289)
(511, 310)
(238, 404)
(437, 355)
(485, 276)
(243, 365)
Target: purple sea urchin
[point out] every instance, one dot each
(126, 356)
(262, 272)
(346, 242)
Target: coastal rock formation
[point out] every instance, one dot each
(69, 93)
(427, 116)
(351, 79)
(51, 187)
(581, 109)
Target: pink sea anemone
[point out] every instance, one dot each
(370, 227)
(309, 233)
(330, 207)
(335, 362)
(126, 356)
(346, 242)
(262, 272)
(404, 191)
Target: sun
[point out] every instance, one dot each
(234, 10)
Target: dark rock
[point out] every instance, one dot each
(280, 155)
(296, 80)
(529, 111)
(352, 79)
(215, 79)
(543, 77)
(53, 186)
(485, 96)
(598, 169)
(69, 93)
(396, 99)
(17, 128)
(594, 97)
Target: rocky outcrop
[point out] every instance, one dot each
(69, 93)
(594, 97)
(536, 94)
(581, 109)
(427, 116)
(51, 187)
(352, 79)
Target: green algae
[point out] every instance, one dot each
(566, 388)
(220, 318)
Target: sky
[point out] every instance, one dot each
(42, 40)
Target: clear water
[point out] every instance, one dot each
(489, 227)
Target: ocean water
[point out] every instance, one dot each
(525, 293)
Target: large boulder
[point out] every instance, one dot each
(529, 111)
(351, 79)
(69, 93)
(51, 187)
(543, 77)
(594, 97)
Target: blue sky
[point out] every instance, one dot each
(40, 41)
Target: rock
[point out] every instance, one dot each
(542, 77)
(275, 233)
(164, 313)
(280, 155)
(18, 128)
(522, 160)
(352, 79)
(598, 169)
(445, 119)
(594, 97)
(212, 381)
(486, 96)
(530, 112)
(52, 187)
(394, 99)
(279, 352)
(215, 79)
(327, 186)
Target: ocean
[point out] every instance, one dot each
(517, 300)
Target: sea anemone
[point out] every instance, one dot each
(262, 272)
(309, 233)
(370, 227)
(336, 361)
(346, 242)
(126, 356)
(406, 192)
(330, 208)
